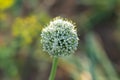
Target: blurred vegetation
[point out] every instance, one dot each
(98, 26)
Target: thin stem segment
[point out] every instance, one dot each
(54, 67)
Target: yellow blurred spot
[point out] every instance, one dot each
(3, 16)
(27, 28)
(4, 4)
(85, 76)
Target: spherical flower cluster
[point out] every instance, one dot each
(59, 38)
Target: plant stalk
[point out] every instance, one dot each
(54, 67)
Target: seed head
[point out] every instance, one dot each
(59, 38)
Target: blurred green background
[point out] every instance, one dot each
(98, 26)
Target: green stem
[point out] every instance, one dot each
(54, 67)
